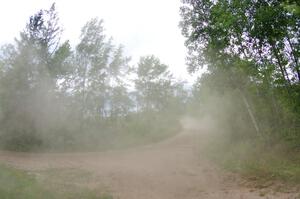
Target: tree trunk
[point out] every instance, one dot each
(297, 66)
(253, 120)
(282, 68)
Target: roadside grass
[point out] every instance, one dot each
(16, 184)
(256, 161)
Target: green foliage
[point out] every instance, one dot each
(292, 6)
(56, 97)
(249, 47)
(259, 31)
(155, 84)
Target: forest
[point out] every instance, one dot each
(56, 96)
(90, 97)
(252, 86)
(251, 50)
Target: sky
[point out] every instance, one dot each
(144, 27)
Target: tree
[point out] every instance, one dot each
(154, 84)
(100, 66)
(32, 68)
(254, 46)
(262, 31)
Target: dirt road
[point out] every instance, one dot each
(172, 169)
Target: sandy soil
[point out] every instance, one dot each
(172, 169)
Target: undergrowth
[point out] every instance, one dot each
(17, 184)
(256, 160)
